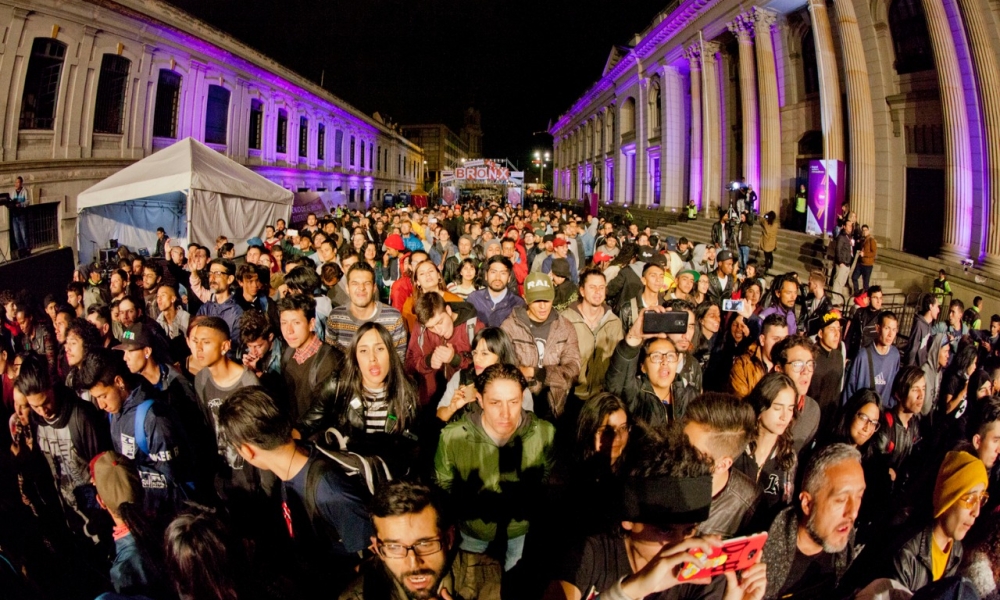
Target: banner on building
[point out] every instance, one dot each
(320, 203)
(482, 170)
(825, 194)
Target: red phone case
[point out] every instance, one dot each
(734, 555)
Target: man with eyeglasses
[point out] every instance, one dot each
(876, 365)
(935, 551)
(795, 356)
(323, 512)
(344, 321)
(417, 555)
(496, 302)
(222, 303)
(643, 372)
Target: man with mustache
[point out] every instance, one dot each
(935, 551)
(811, 545)
(418, 558)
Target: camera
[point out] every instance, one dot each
(967, 263)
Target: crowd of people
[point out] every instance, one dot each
(483, 401)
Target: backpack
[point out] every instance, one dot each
(370, 470)
(141, 440)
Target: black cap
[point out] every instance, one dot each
(135, 337)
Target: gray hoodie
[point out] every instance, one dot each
(932, 371)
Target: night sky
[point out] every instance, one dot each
(520, 62)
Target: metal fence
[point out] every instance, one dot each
(43, 226)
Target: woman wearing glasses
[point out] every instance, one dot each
(643, 371)
(856, 424)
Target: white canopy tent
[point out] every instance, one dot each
(192, 191)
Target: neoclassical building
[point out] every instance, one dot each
(905, 92)
(91, 86)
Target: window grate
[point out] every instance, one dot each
(41, 84)
(109, 109)
(256, 122)
(168, 93)
(216, 115)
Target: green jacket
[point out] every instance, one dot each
(467, 465)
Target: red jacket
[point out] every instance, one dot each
(431, 382)
(521, 266)
(401, 290)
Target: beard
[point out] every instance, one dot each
(828, 547)
(427, 593)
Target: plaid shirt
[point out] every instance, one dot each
(306, 351)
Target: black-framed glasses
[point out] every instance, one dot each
(658, 357)
(867, 422)
(421, 548)
(614, 432)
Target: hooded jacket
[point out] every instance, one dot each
(423, 343)
(932, 372)
(167, 471)
(596, 348)
(468, 466)
(69, 442)
(560, 366)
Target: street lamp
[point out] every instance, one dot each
(541, 165)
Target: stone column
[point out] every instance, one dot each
(642, 196)
(693, 54)
(829, 84)
(978, 28)
(673, 134)
(711, 135)
(860, 122)
(958, 154)
(743, 28)
(769, 194)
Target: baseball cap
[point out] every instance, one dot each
(135, 337)
(395, 241)
(558, 242)
(831, 316)
(602, 257)
(560, 267)
(116, 480)
(723, 255)
(690, 272)
(645, 254)
(549, 238)
(538, 286)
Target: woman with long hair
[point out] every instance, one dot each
(491, 345)
(373, 402)
(858, 420)
(770, 458)
(204, 560)
(737, 335)
(709, 318)
(426, 279)
(466, 283)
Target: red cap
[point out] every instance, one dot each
(395, 241)
(558, 242)
(602, 257)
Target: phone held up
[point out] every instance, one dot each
(736, 554)
(665, 322)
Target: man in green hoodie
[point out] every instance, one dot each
(494, 462)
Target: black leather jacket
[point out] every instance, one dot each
(911, 564)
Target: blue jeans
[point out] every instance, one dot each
(515, 547)
(20, 225)
(744, 257)
(861, 271)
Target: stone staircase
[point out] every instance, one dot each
(798, 252)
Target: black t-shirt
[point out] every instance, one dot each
(809, 576)
(603, 559)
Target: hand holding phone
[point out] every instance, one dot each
(736, 554)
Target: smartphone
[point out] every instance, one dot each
(292, 232)
(667, 322)
(732, 305)
(736, 554)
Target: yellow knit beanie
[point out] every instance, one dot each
(959, 473)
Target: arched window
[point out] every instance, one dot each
(41, 84)
(628, 116)
(109, 108)
(910, 39)
(168, 94)
(810, 71)
(654, 105)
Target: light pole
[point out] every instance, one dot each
(541, 165)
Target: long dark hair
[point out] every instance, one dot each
(760, 398)
(592, 414)
(499, 343)
(845, 418)
(399, 392)
(204, 561)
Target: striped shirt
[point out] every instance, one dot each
(376, 410)
(341, 326)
